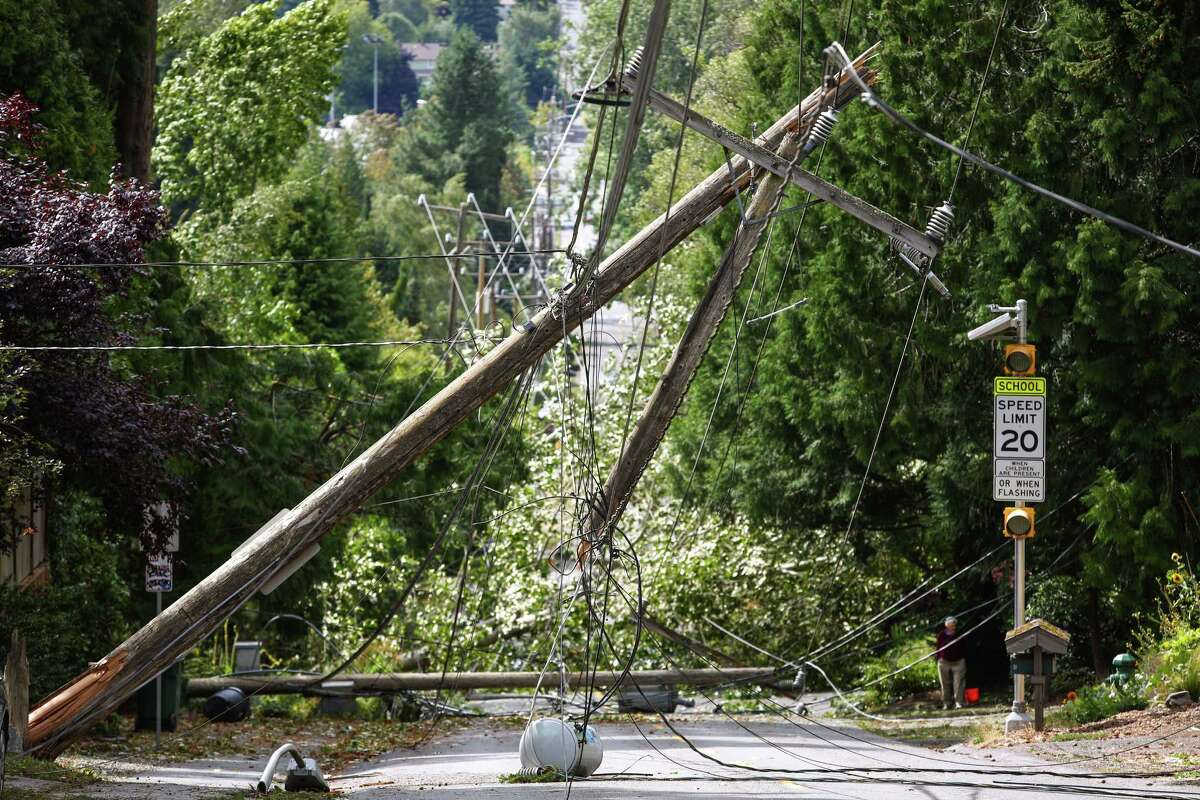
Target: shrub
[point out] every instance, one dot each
(287, 706)
(918, 679)
(1173, 665)
(1170, 650)
(1103, 700)
(1059, 599)
(82, 614)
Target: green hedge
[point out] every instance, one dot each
(919, 679)
(85, 610)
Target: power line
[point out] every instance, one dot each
(847, 769)
(979, 97)
(643, 66)
(177, 347)
(873, 99)
(263, 262)
(887, 404)
(775, 708)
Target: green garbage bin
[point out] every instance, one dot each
(173, 684)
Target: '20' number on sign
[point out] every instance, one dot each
(1018, 441)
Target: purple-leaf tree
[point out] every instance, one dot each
(68, 259)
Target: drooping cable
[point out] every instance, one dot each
(978, 98)
(887, 404)
(645, 64)
(263, 262)
(873, 99)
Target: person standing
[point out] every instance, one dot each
(952, 664)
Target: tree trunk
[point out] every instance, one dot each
(134, 119)
(16, 691)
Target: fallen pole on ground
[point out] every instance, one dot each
(432, 681)
(274, 550)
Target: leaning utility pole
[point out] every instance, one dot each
(285, 541)
(689, 351)
(452, 325)
(664, 402)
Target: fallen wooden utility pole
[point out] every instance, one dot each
(432, 681)
(88, 698)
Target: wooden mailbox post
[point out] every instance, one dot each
(1038, 638)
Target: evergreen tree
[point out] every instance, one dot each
(531, 37)
(481, 16)
(38, 59)
(1095, 101)
(462, 129)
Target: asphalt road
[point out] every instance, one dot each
(468, 763)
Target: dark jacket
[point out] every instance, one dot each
(952, 644)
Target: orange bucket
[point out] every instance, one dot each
(971, 696)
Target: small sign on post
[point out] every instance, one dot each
(1019, 452)
(160, 572)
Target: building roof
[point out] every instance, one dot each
(422, 51)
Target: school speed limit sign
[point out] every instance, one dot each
(1019, 449)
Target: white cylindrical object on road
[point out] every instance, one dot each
(591, 753)
(550, 742)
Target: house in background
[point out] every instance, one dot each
(423, 59)
(24, 557)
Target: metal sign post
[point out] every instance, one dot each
(1019, 455)
(1020, 431)
(157, 685)
(160, 577)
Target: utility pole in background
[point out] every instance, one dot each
(551, 131)
(480, 302)
(374, 41)
(458, 248)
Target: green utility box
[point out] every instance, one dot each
(173, 684)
